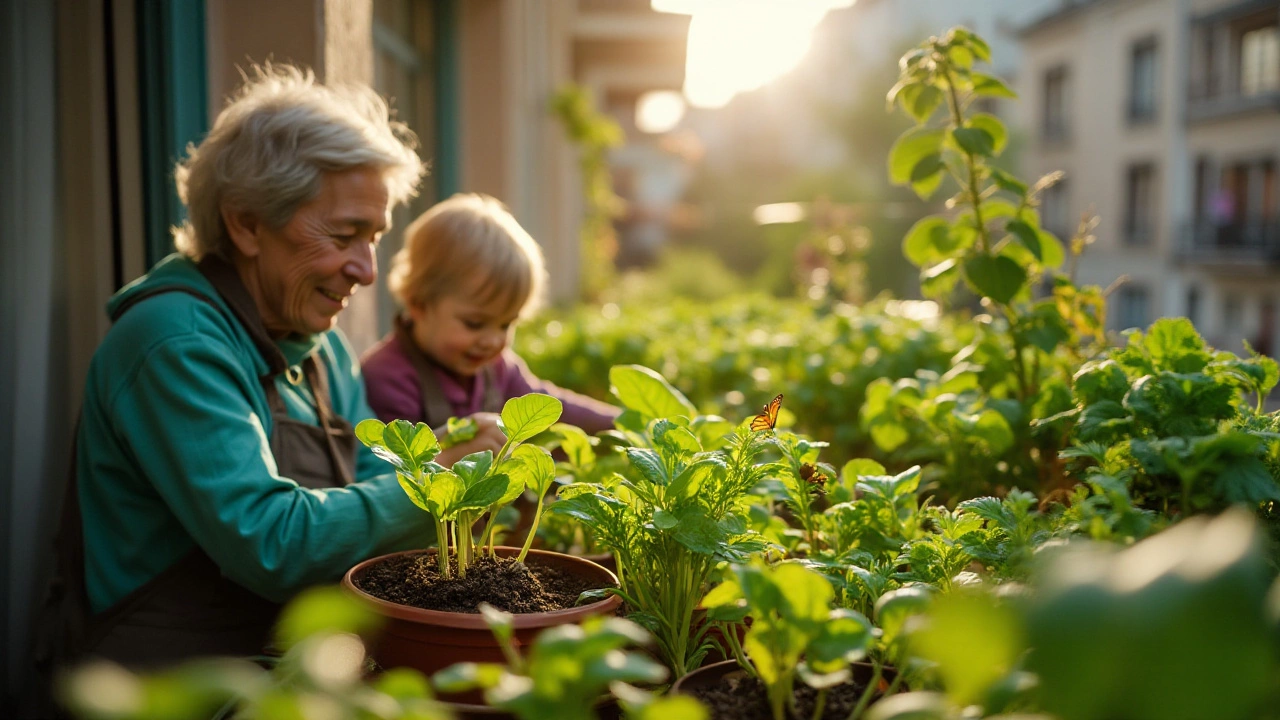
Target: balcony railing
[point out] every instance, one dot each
(1252, 241)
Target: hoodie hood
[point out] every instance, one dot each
(179, 273)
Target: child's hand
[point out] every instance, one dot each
(488, 437)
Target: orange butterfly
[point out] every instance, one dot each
(768, 418)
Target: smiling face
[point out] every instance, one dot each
(463, 334)
(303, 274)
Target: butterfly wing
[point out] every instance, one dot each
(768, 418)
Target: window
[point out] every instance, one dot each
(1055, 212)
(1139, 214)
(1133, 307)
(1055, 104)
(1260, 60)
(1193, 304)
(1142, 82)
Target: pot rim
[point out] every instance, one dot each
(475, 621)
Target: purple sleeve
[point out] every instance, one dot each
(585, 412)
(392, 383)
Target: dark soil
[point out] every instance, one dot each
(415, 580)
(738, 696)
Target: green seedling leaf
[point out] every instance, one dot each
(500, 622)
(323, 609)
(937, 281)
(991, 125)
(370, 431)
(919, 705)
(533, 467)
(669, 707)
(920, 100)
(843, 638)
(674, 439)
(691, 479)
(648, 393)
(975, 642)
(896, 606)
(698, 532)
(974, 141)
(576, 445)
(447, 490)
(1026, 235)
(419, 493)
(403, 684)
(998, 278)
(526, 416)
(649, 465)
(462, 677)
(474, 466)
(988, 85)
(910, 149)
(664, 520)
(1008, 183)
(484, 493)
(423, 446)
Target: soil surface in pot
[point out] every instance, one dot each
(415, 580)
(740, 697)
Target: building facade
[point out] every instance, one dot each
(1165, 116)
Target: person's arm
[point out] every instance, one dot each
(188, 420)
(591, 415)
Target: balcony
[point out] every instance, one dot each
(1253, 243)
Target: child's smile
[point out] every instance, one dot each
(462, 335)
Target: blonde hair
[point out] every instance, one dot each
(468, 243)
(270, 147)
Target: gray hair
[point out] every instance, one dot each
(270, 147)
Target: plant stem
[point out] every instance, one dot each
(819, 705)
(442, 547)
(861, 707)
(975, 198)
(533, 529)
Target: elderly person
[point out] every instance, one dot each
(217, 472)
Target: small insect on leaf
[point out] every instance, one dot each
(815, 477)
(767, 419)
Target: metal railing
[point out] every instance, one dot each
(1251, 240)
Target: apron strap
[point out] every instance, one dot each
(435, 408)
(319, 380)
(224, 278)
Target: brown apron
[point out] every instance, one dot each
(191, 609)
(435, 408)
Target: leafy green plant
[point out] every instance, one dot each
(478, 483)
(1156, 417)
(794, 631)
(567, 669)
(677, 511)
(994, 242)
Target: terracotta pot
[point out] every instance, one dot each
(431, 640)
(604, 560)
(709, 675)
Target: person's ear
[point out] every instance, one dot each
(417, 311)
(243, 228)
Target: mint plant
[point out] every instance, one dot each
(677, 511)
(476, 484)
(568, 668)
(794, 631)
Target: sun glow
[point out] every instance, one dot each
(742, 45)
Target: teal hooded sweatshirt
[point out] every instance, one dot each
(174, 452)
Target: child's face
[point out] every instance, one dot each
(463, 335)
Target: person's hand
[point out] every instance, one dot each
(488, 437)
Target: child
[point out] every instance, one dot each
(467, 273)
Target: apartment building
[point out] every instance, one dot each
(1165, 115)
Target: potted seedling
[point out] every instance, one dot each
(431, 598)
(794, 633)
(678, 511)
(565, 675)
